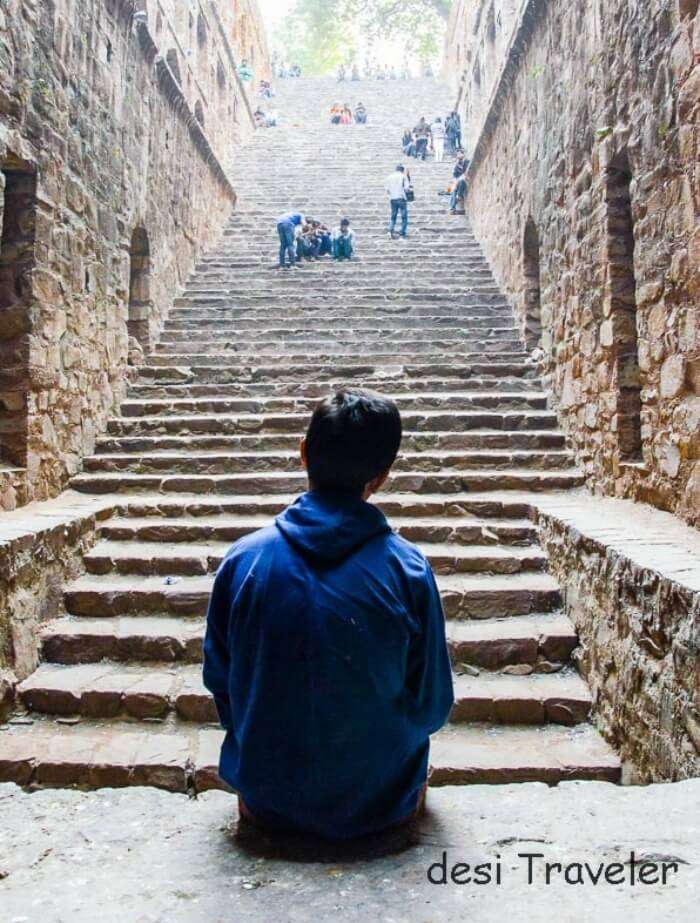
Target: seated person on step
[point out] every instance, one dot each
(336, 114)
(343, 241)
(360, 114)
(325, 646)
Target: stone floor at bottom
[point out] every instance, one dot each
(143, 855)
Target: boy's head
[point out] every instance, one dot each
(352, 442)
(400, 168)
(345, 225)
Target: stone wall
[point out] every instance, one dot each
(127, 188)
(583, 120)
(635, 603)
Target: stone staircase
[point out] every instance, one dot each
(206, 450)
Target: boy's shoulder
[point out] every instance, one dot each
(254, 543)
(409, 554)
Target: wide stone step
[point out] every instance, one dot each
(222, 463)
(502, 504)
(333, 346)
(407, 403)
(316, 391)
(418, 482)
(116, 755)
(464, 596)
(183, 559)
(327, 332)
(138, 691)
(373, 375)
(543, 643)
(350, 358)
(528, 440)
(221, 528)
(425, 421)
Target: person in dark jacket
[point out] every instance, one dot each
(325, 646)
(286, 228)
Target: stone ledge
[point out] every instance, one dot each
(183, 859)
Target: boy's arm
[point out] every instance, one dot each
(429, 676)
(217, 657)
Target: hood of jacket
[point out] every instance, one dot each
(326, 528)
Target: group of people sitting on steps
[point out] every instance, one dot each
(343, 115)
(438, 137)
(303, 238)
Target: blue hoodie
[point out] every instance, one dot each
(325, 652)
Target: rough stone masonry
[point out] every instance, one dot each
(583, 122)
(116, 119)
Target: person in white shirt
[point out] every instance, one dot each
(437, 130)
(397, 184)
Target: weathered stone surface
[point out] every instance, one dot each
(124, 154)
(202, 868)
(618, 305)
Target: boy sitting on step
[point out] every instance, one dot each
(343, 241)
(325, 648)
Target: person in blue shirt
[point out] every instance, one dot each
(286, 228)
(325, 646)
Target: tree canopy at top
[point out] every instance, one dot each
(322, 34)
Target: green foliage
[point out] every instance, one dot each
(320, 34)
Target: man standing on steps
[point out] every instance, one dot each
(397, 185)
(286, 228)
(325, 648)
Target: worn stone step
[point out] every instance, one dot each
(425, 421)
(332, 372)
(464, 596)
(221, 528)
(547, 640)
(407, 403)
(116, 755)
(332, 346)
(542, 642)
(316, 390)
(111, 690)
(501, 504)
(185, 559)
(448, 482)
(526, 441)
(382, 356)
(231, 462)
(491, 755)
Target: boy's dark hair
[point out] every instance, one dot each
(345, 223)
(353, 438)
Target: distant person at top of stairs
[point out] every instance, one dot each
(397, 185)
(342, 74)
(244, 71)
(355, 73)
(343, 241)
(360, 114)
(286, 228)
(325, 647)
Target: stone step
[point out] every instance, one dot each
(187, 559)
(425, 421)
(527, 440)
(376, 375)
(94, 755)
(222, 528)
(488, 505)
(138, 691)
(407, 403)
(231, 462)
(488, 755)
(418, 482)
(542, 642)
(330, 362)
(332, 346)
(464, 596)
